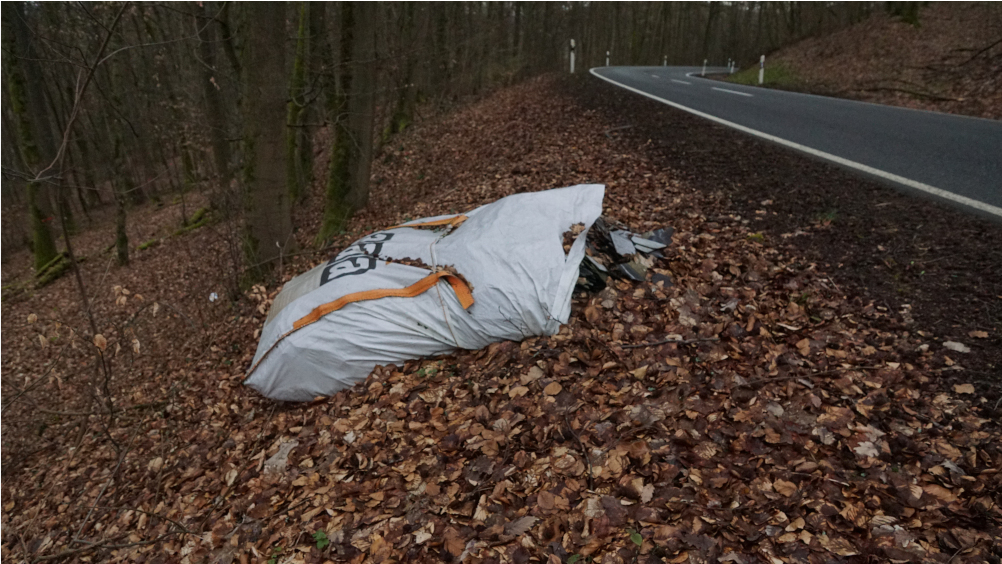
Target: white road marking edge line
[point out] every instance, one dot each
(964, 200)
(845, 100)
(731, 91)
(681, 81)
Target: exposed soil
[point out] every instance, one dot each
(938, 267)
(950, 62)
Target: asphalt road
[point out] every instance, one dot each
(949, 157)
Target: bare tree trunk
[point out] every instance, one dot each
(403, 112)
(268, 219)
(351, 154)
(298, 162)
(212, 85)
(121, 195)
(711, 18)
(35, 136)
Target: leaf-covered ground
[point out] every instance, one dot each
(780, 422)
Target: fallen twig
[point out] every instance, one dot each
(74, 551)
(811, 375)
(584, 453)
(676, 341)
(89, 413)
(181, 528)
(38, 381)
(979, 53)
(104, 488)
(608, 131)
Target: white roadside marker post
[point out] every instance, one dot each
(664, 63)
(704, 68)
(572, 56)
(761, 70)
(606, 58)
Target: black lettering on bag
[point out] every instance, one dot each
(358, 258)
(348, 266)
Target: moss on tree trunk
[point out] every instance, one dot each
(43, 245)
(23, 75)
(121, 235)
(268, 233)
(299, 154)
(351, 151)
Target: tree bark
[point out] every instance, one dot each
(120, 190)
(212, 91)
(351, 153)
(299, 154)
(268, 220)
(403, 113)
(24, 82)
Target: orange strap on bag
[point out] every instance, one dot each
(451, 221)
(421, 286)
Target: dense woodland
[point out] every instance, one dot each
(107, 106)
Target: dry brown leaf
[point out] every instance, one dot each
(706, 450)
(841, 547)
(100, 342)
(647, 493)
(940, 493)
(518, 391)
(535, 373)
(156, 464)
(958, 347)
(882, 520)
(546, 500)
(866, 448)
(784, 487)
(795, 525)
(552, 389)
(453, 542)
(520, 526)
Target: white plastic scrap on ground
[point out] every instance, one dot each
(496, 273)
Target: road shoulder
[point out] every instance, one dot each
(937, 269)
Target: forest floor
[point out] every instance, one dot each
(820, 409)
(951, 62)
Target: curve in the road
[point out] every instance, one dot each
(956, 158)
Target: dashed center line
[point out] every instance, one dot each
(655, 76)
(732, 91)
(681, 82)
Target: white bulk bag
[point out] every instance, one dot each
(329, 327)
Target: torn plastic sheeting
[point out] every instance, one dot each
(401, 293)
(646, 245)
(622, 243)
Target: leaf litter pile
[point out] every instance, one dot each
(731, 407)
